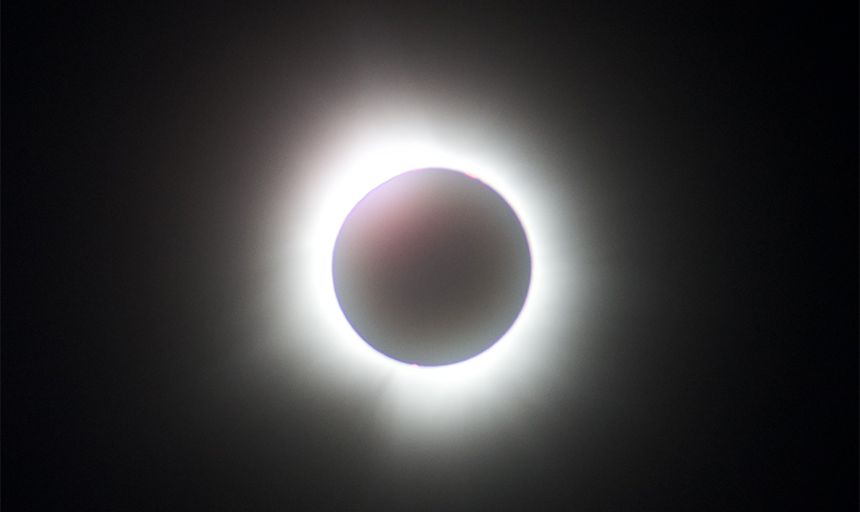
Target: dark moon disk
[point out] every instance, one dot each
(432, 267)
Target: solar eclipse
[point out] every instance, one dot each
(500, 377)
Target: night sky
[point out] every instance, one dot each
(710, 154)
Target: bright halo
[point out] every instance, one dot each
(418, 405)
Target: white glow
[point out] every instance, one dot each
(418, 406)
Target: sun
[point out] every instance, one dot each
(312, 335)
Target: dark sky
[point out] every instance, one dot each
(714, 155)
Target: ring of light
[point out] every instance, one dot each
(428, 401)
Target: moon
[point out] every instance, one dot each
(431, 267)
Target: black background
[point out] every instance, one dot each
(719, 146)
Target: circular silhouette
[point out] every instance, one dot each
(432, 267)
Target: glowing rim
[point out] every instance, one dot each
(422, 403)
